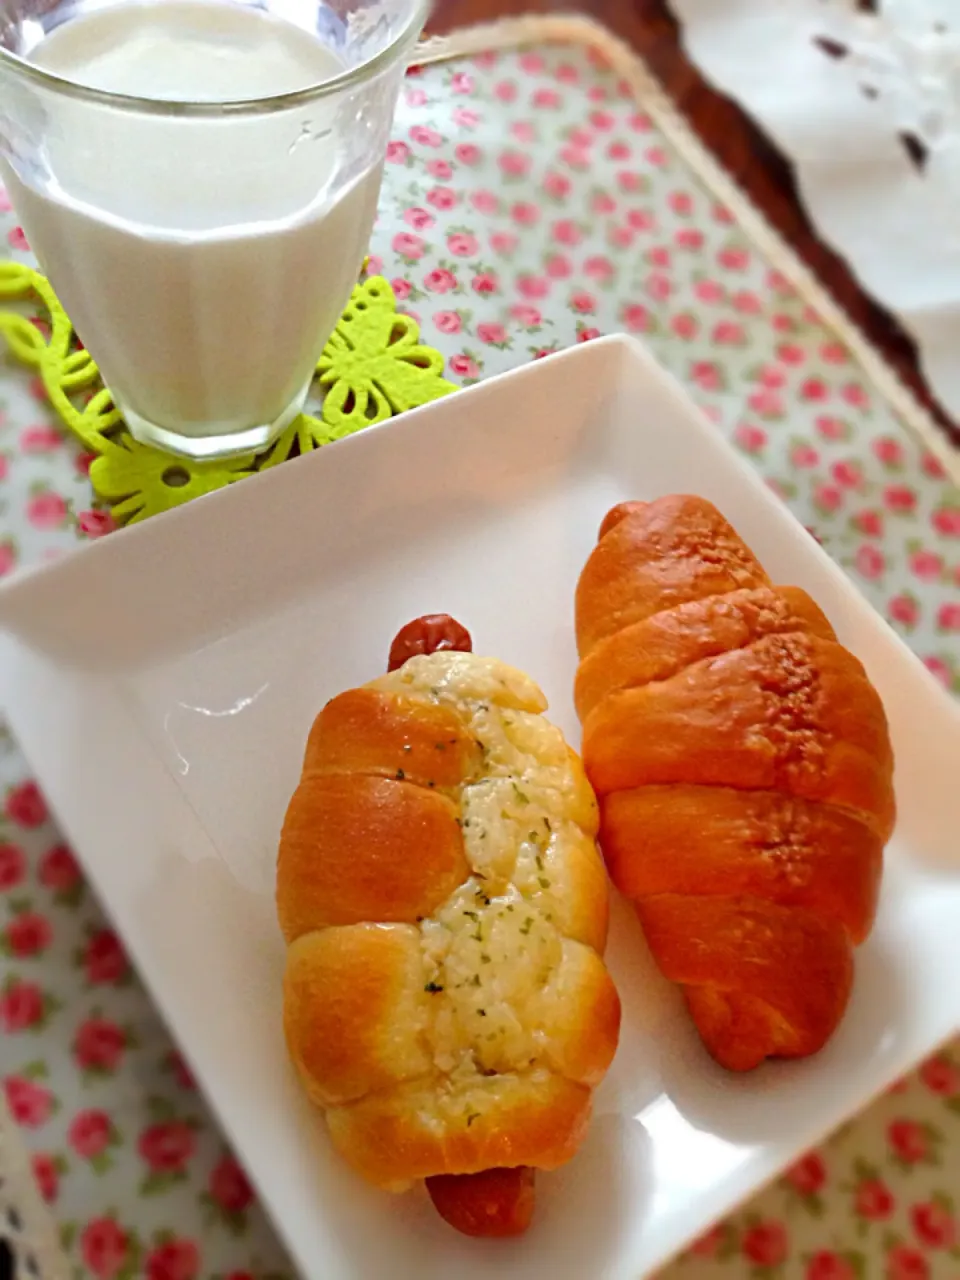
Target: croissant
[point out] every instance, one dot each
(445, 910)
(743, 766)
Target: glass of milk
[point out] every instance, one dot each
(199, 180)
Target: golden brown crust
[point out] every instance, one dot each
(790, 712)
(356, 848)
(490, 1122)
(579, 1049)
(445, 904)
(665, 644)
(353, 1010)
(744, 770)
(659, 555)
(722, 842)
(581, 896)
(781, 973)
(388, 735)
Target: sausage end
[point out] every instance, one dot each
(429, 634)
(494, 1204)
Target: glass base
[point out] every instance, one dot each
(208, 448)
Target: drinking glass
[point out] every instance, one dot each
(203, 249)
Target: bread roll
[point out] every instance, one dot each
(445, 910)
(743, 766)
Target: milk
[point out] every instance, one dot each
(205, 285)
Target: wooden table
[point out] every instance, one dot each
(746, 152)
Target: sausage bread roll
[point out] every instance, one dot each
(445, 910)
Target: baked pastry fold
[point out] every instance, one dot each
(445, 910)
(743, 766)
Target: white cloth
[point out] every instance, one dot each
(867, 106)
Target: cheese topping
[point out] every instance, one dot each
(502, 951)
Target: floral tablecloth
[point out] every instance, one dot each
(529, 202)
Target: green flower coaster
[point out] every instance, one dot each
(372, 368)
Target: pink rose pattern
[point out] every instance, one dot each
(566, 216)
(527, 205)
(123, 1148)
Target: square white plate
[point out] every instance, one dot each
(163, 682)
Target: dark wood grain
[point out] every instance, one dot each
(742, 148)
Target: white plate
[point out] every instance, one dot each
(163, 681)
